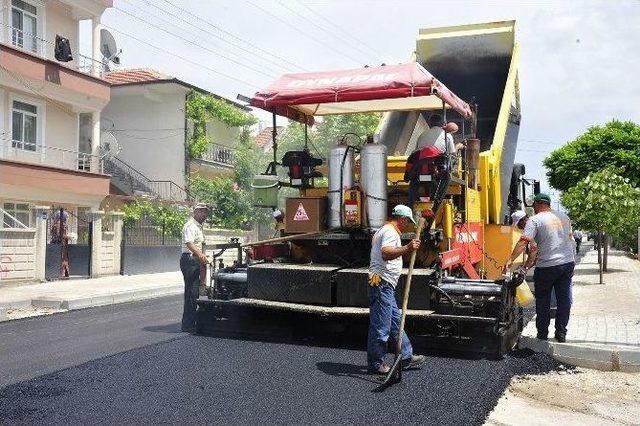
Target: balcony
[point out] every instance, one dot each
(50, 156)
(44, 49)
(219, 154)
(28, 66)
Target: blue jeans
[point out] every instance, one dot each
(384, 322)
(556, 278)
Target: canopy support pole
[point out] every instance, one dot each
(274, 143)
(306, 135)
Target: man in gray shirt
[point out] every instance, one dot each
(552, 250)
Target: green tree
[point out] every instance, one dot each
(616, 143)
(249, 159)
(204, 107)
(164, 216)
(327, 133)
(604, 201)
(231, 205)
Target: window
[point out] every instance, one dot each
(24, 126)
(24, 21)
(19, 211)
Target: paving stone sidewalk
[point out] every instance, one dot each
(604, 327)
(18, 301)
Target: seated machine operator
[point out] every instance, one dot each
(430, 143)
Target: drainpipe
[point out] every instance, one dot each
(187, 163)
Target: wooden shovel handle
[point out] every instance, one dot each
(407, 287)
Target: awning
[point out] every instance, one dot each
(404, 87)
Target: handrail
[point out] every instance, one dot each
(219, 154)
(174, 191)
(80, 160)
(15, 220)
(40, 51)
(128, 168)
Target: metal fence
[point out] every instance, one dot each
(144, 232)
(75, 223)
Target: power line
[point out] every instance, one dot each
(194, 43)
(253, 46)
(298, 14)
(197, 64)
(303, 32)
(192, 29)
(346, 41)
(339, 28)
(197, 33)
(533, 150)
(541, 142)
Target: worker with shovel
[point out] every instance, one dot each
(384, 271)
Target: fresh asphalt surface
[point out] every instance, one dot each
(128, 363)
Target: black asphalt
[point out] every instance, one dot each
(126, 364)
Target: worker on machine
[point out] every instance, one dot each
(554, 257)
(431, 145)
(192, 262)
(384, 271)
(435, 136)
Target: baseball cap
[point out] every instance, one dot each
(542, 198)
(404, 211)
(200, 206)
(517, 217)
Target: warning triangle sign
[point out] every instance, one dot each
(301, 213)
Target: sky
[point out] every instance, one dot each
(579, 62)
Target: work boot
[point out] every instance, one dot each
(415, 361)
(382, 370)
(542, 336)
(561, 338)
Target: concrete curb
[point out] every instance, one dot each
(106, 299)
(16, 304)
(600, 357)
(66, 303)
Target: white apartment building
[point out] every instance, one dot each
(49, 109)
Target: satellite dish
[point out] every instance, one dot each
(108, 47)
(109, 146)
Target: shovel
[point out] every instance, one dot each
(395, 373)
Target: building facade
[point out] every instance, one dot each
(147, 117)
(51, 98)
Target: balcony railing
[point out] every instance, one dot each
(45, 49)
(49, 156)
(220, 154)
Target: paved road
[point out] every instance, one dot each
(125, 364)
(35, 346)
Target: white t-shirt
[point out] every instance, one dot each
(435, 137)
(192, 233)
(389, 270)
(551, 230)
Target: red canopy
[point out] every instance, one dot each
(403, 87)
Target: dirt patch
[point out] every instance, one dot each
(612, 396)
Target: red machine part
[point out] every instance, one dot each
(466, 249)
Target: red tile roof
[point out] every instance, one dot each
(263, 138)
(133, 76)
